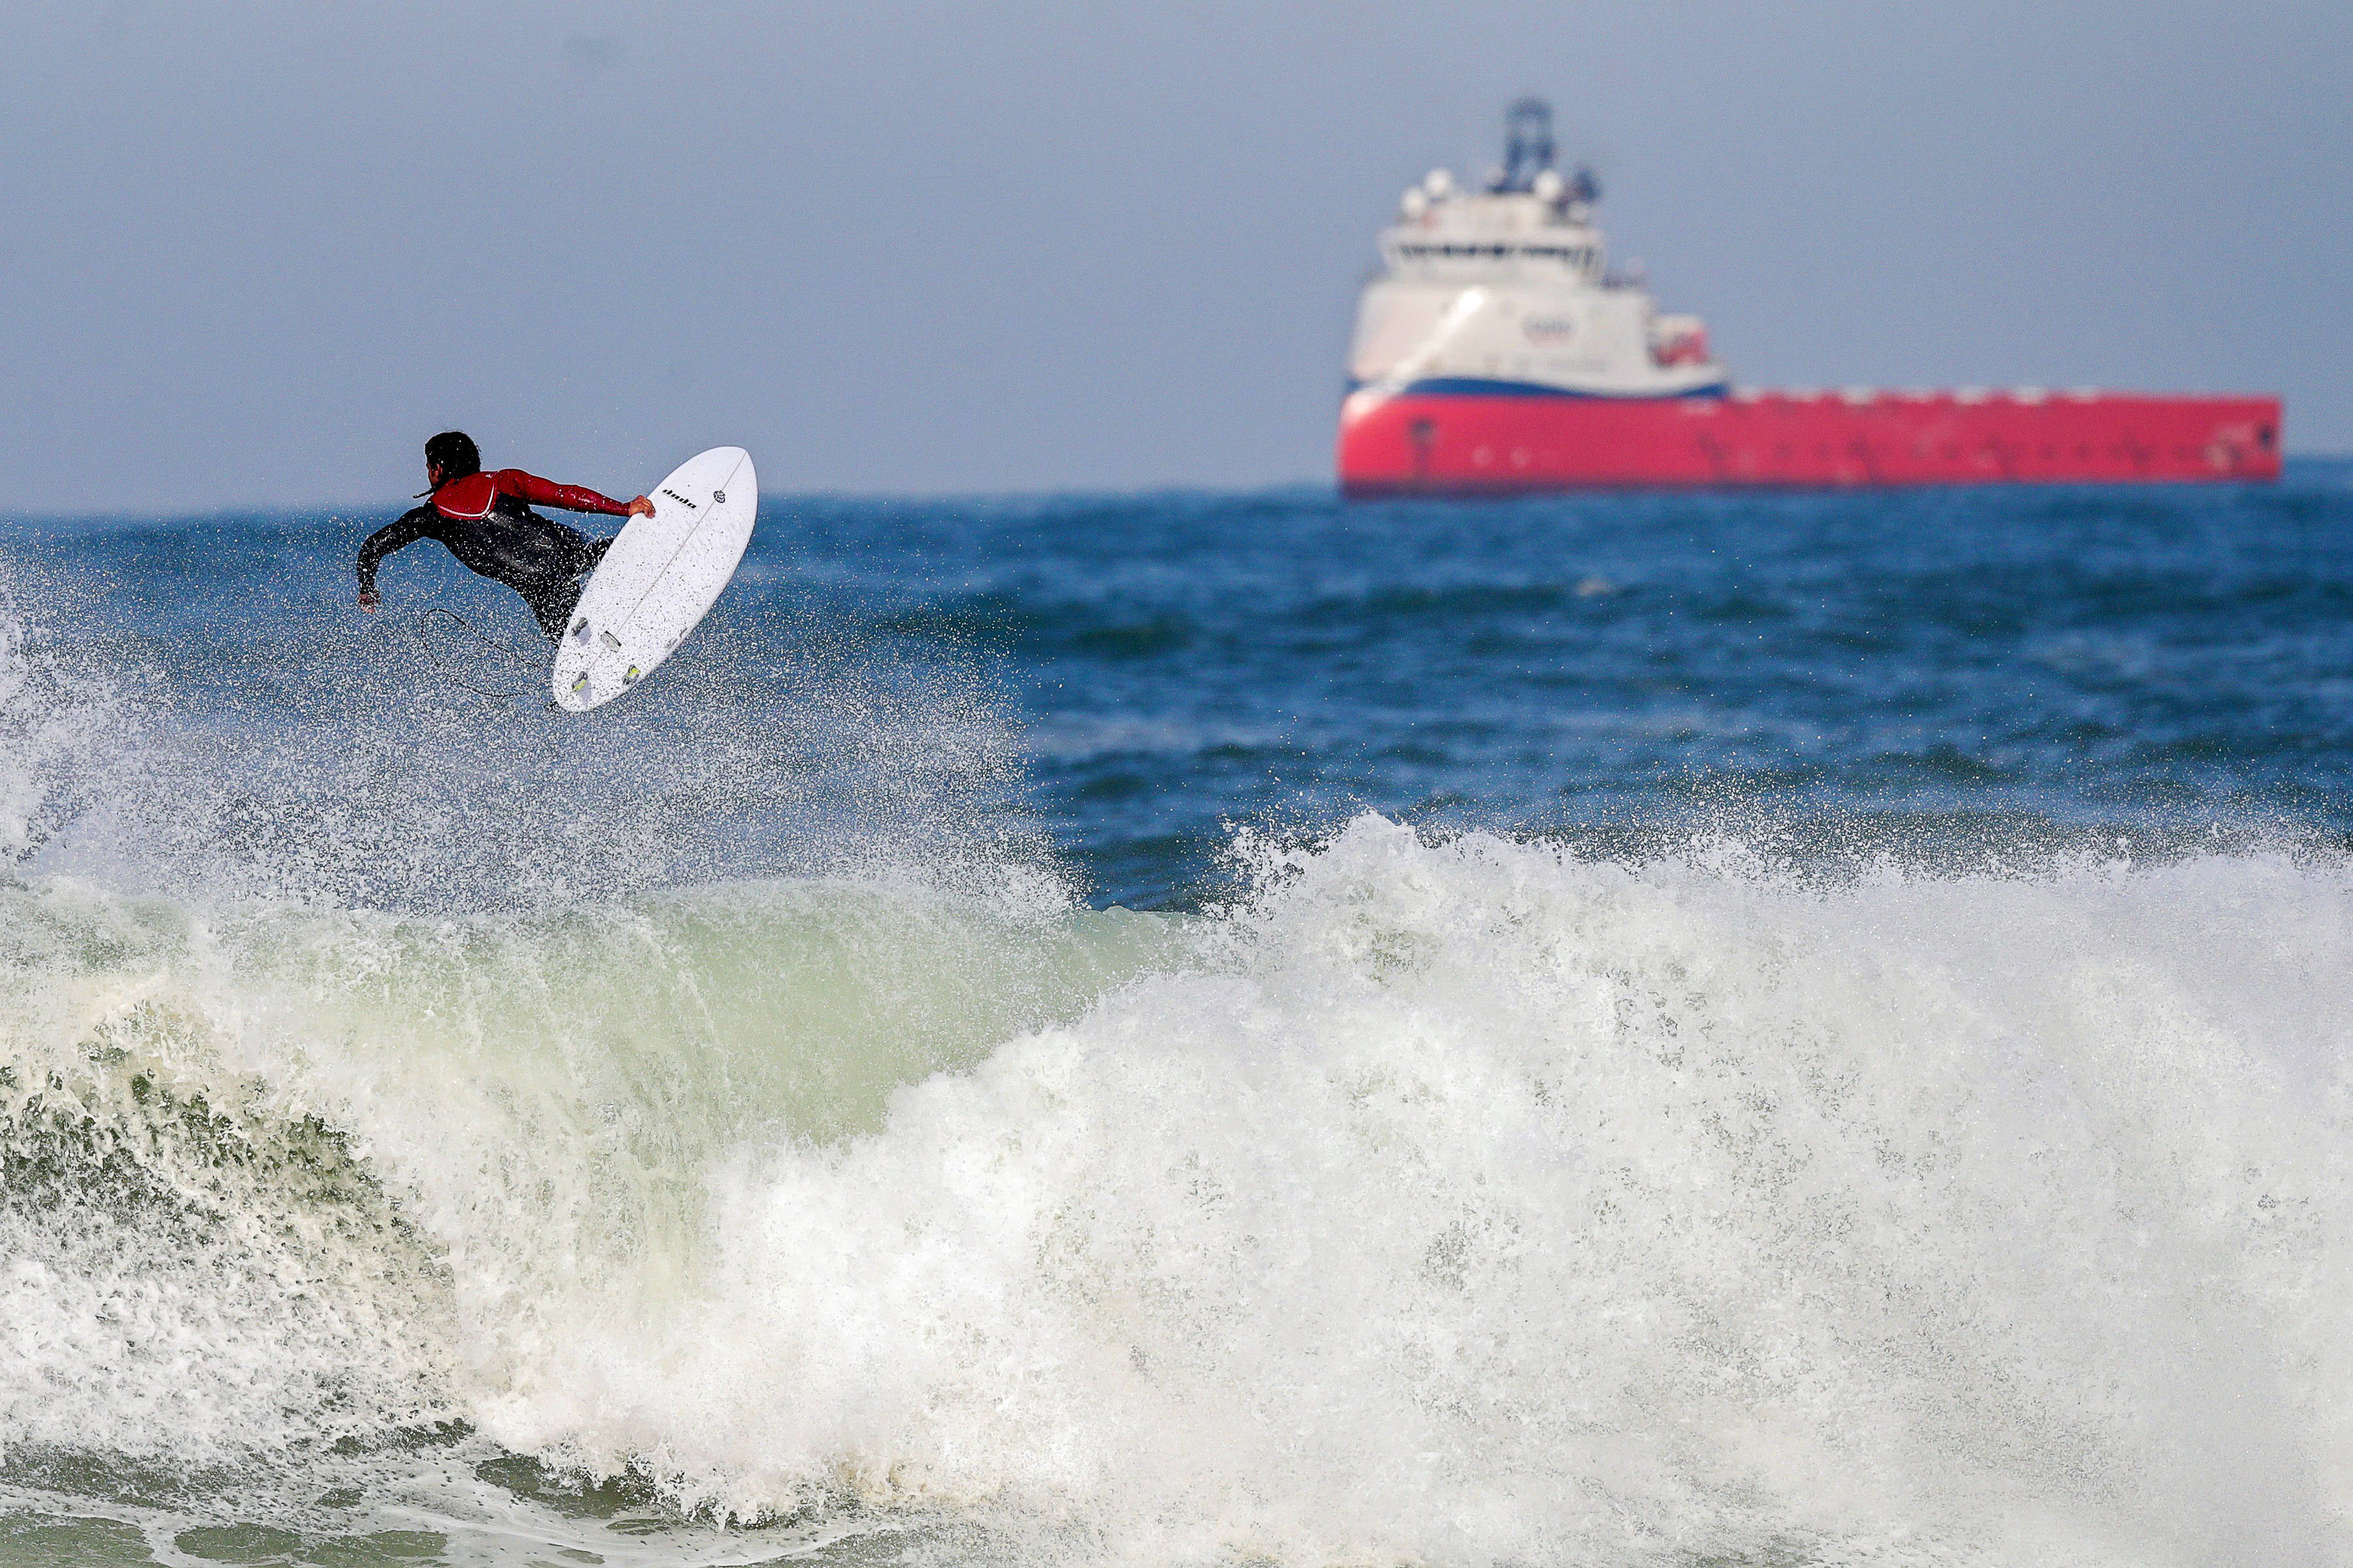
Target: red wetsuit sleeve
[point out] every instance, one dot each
(547, 492)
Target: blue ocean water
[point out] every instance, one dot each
(1759, 1029)
(1942, 671)
(2060, 661)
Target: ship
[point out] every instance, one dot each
(1496, 352)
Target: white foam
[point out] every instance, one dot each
(1461, 1201)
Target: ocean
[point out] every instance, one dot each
(1753, 1030)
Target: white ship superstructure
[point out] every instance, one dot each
(1508, 289)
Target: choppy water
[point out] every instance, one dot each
(1195, 1029)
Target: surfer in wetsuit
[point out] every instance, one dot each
(486, 522)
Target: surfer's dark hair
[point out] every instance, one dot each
(454, 453)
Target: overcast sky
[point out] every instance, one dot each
(255, 254)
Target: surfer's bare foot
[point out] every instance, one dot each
(641, 506)
(368, 602)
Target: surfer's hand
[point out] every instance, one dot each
(368, 600)
(641, 506)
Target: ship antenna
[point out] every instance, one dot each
(1527, 144)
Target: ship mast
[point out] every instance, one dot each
(1527, 146)
(1528, 154)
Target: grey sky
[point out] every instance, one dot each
(256, 254)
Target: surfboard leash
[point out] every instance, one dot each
(509, 653)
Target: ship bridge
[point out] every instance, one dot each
(1529, 221)
(1507, 287)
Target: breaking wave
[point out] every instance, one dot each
(1461, 1200)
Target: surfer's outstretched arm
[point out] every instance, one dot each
(399, 534)
(570, 498)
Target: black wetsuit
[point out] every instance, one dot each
(486, 522)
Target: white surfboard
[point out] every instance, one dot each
(660, 577)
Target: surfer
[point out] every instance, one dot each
(486, 522)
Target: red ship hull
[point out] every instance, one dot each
(1454, 443)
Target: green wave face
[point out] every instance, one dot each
(354, 1169)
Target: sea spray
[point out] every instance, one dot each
(308, 759)
(49, 719)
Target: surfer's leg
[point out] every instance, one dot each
(553, 602)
